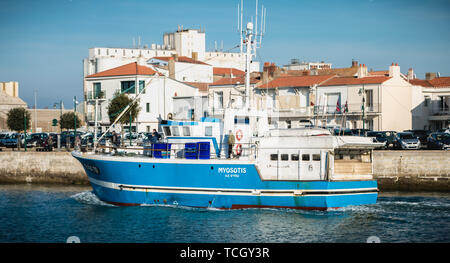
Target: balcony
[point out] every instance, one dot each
(353, 109)
(91, 95)
(90, 117)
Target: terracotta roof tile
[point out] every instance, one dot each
(420, 82)
(440, 82)
(125, 70)
(295, 81)
(233, 81)
(228, 71)
(379, 73)
(201, 86)
(182, 59)
(354, 81)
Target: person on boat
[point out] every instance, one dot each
(230, 143)
(114, 141)
(156, 136)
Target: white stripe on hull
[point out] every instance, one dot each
(232, 191)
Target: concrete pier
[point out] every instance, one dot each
(394, 170)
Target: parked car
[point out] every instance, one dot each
(339, 131)
(4, 136)
(422, 135)
(439, 141)
(37, 139)
(378, 136)
(406, 141)
(11, 141)
(359, 132)
(391, 138)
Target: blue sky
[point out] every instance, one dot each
(43, 42)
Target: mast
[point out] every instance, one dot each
(248, 58)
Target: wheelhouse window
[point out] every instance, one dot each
(241, 120)
(208, 131)
(186, 131)
(316, 157)
(175, 131)
(305, 157)
(167, 131)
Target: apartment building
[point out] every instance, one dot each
(156, 101)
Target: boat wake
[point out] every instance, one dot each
(88, 197)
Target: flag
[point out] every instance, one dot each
(346, 107)
(338, 107)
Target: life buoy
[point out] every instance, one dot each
(239, 134)
(238, 149)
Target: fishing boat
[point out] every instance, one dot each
(194, 166)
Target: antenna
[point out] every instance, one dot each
(241, 32)
(252, 43)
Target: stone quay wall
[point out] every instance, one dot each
(412, 170)
(41, 167)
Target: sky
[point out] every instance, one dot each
(43, 42)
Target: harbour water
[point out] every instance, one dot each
(30, 213)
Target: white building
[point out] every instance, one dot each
(431, 102)
(183, 68)
(183, 42)
(156, 101)
(297, 65)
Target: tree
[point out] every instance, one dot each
(117, 105)
(18, 119)
(67, 120)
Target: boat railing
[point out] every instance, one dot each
(179, 151)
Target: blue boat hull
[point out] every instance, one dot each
(215, 185)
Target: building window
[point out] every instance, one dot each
(219, 99)
(147, 107)
(274, 157)
(294, 157)
(148, 128)
(127, 87)
(426, 101)
(141, 86)
(369, 99)
(97, 90)
(285, 157)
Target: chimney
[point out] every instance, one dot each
(171, 68)
(354, 63)
(362, 71)
(410, 74)
(175, 56)
(394, 70)
(430, 75)
(195, 55)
